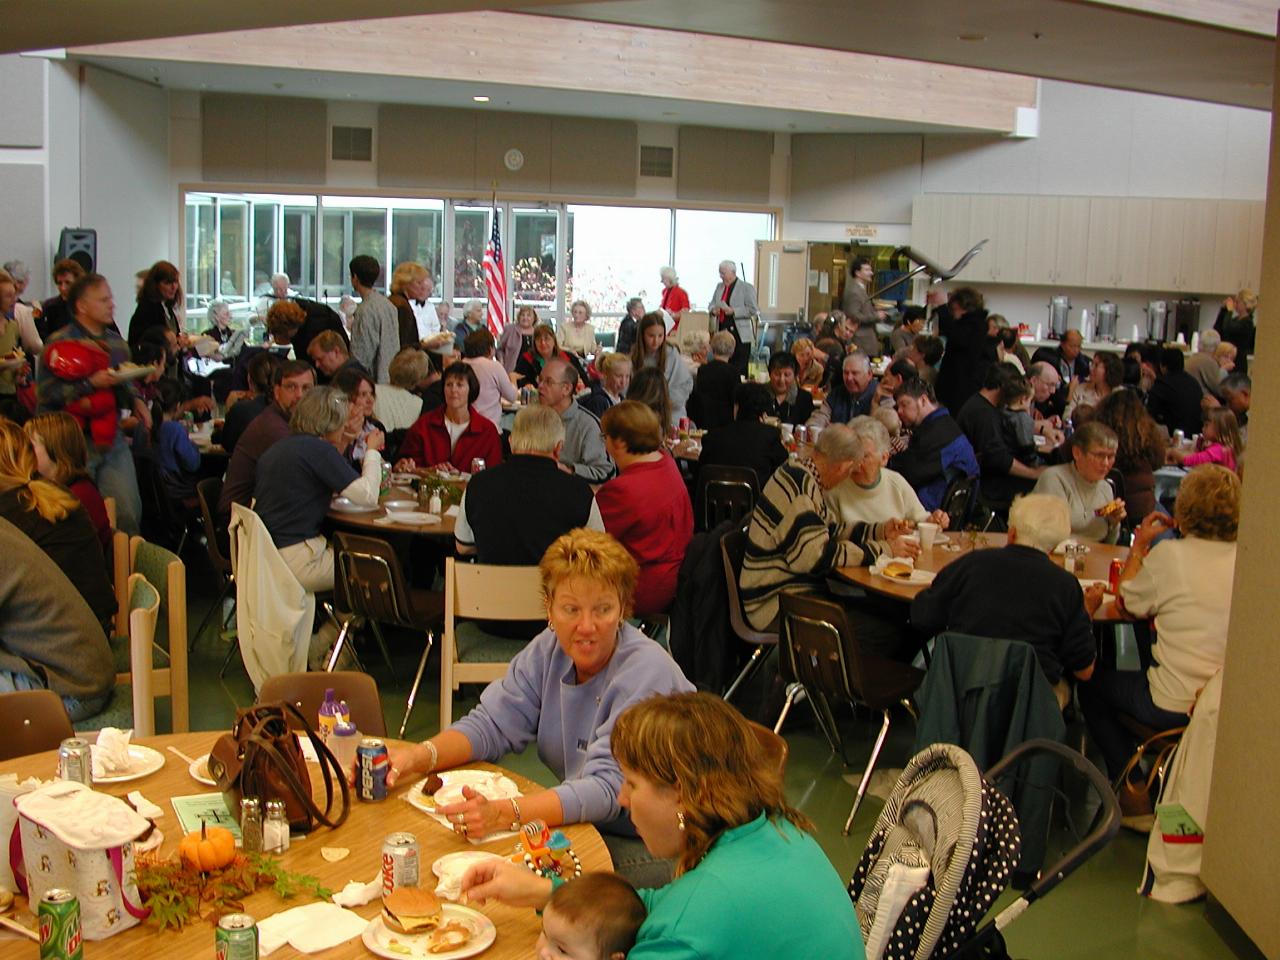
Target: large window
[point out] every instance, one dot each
(706, 237)
(554, 253)
(614, 254)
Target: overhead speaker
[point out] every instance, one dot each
(81, 245)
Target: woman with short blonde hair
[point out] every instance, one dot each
(564, 689)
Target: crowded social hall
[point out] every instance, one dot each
(432, 567)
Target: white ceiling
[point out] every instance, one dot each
(448, 93)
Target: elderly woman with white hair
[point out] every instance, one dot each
(578, 334)
(872, 492)
(473, 319)
(230, 340)
(675, 301)
(734, 302)
(1018, 593)
(796, 540)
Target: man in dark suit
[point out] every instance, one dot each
(1070, 363)
(1174, 400)
(711, 403)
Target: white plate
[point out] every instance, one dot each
(399, 506)
(344, 505)
(917, 576)
(461, 861)
(404, 478)
(382, 940)
(199, 771)
(132, 371)
(1086, 583)
(143, 761)
(1061, 548)
(413, 518)
(493, 786)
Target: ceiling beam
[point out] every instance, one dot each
(613, 59)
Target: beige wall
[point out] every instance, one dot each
(1242, 845)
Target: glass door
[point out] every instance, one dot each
(533, 259)
(233, 250)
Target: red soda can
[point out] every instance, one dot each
(1113, 575)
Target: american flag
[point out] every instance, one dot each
(495, 282)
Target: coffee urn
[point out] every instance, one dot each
(1104, 318)
(1156, 310)
(1059, 311)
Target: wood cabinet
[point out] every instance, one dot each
(1125, 243)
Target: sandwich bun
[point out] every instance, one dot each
(411, 910)
(897, 569)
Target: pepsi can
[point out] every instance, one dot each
(372, 764)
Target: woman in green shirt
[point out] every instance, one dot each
(750, 880)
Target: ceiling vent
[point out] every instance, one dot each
(657, 161)
(353, 143)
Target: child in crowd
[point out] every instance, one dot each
(1220, 442)
(176, 456)
(595, 917)
(63, 456)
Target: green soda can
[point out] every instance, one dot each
(236, 938)
(60, 934)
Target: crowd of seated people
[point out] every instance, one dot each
(584, 481)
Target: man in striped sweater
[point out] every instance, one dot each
(796, 540)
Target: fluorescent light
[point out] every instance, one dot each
(480, 99)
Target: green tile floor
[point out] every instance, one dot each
(1094, 914)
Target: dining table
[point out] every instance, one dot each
(362, 834)
(379, 521)
(954, 545)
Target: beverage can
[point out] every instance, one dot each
(75, 762)
(59, 918)
(400, 861)
(372, 765)
(1113, 574)
(236, 938)
(477, 464)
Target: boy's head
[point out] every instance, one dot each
(595, 917)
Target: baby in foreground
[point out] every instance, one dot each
(595, 917)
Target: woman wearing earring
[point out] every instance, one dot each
(751, 882)
(564, 689)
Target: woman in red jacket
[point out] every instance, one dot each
(646, 507)
(452, 435)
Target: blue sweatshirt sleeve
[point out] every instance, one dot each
(510, 708)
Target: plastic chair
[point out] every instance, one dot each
(33, 721)
(370, 584)
(168, 575)
(822, 653)
(728, 493)
(217, 543)
(161, 516)
(733, 547)
(119, 568)
(306, 692)
(132, 700)
(475, 591)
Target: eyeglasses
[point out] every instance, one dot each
(1102, 456)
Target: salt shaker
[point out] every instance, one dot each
(275, 831)
(250, 825)
(434, 505)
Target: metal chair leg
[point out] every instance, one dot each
(866, 774)
(757, 655)
(795, 692)
(827, 720)
(204, 622)
(417, 680)
(337, 645)
(226, 662)
(382, 643)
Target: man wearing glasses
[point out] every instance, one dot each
(583, 452)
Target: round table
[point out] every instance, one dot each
(374, 521)
(363, 832)
(1097, 566)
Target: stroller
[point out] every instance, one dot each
(943, 850)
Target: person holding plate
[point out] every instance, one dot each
(564, 690)
(751, 881)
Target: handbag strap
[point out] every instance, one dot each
(330, 769)
(1166, 740)
(259, 739)
(116, 856)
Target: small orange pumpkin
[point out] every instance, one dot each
(209, 848)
